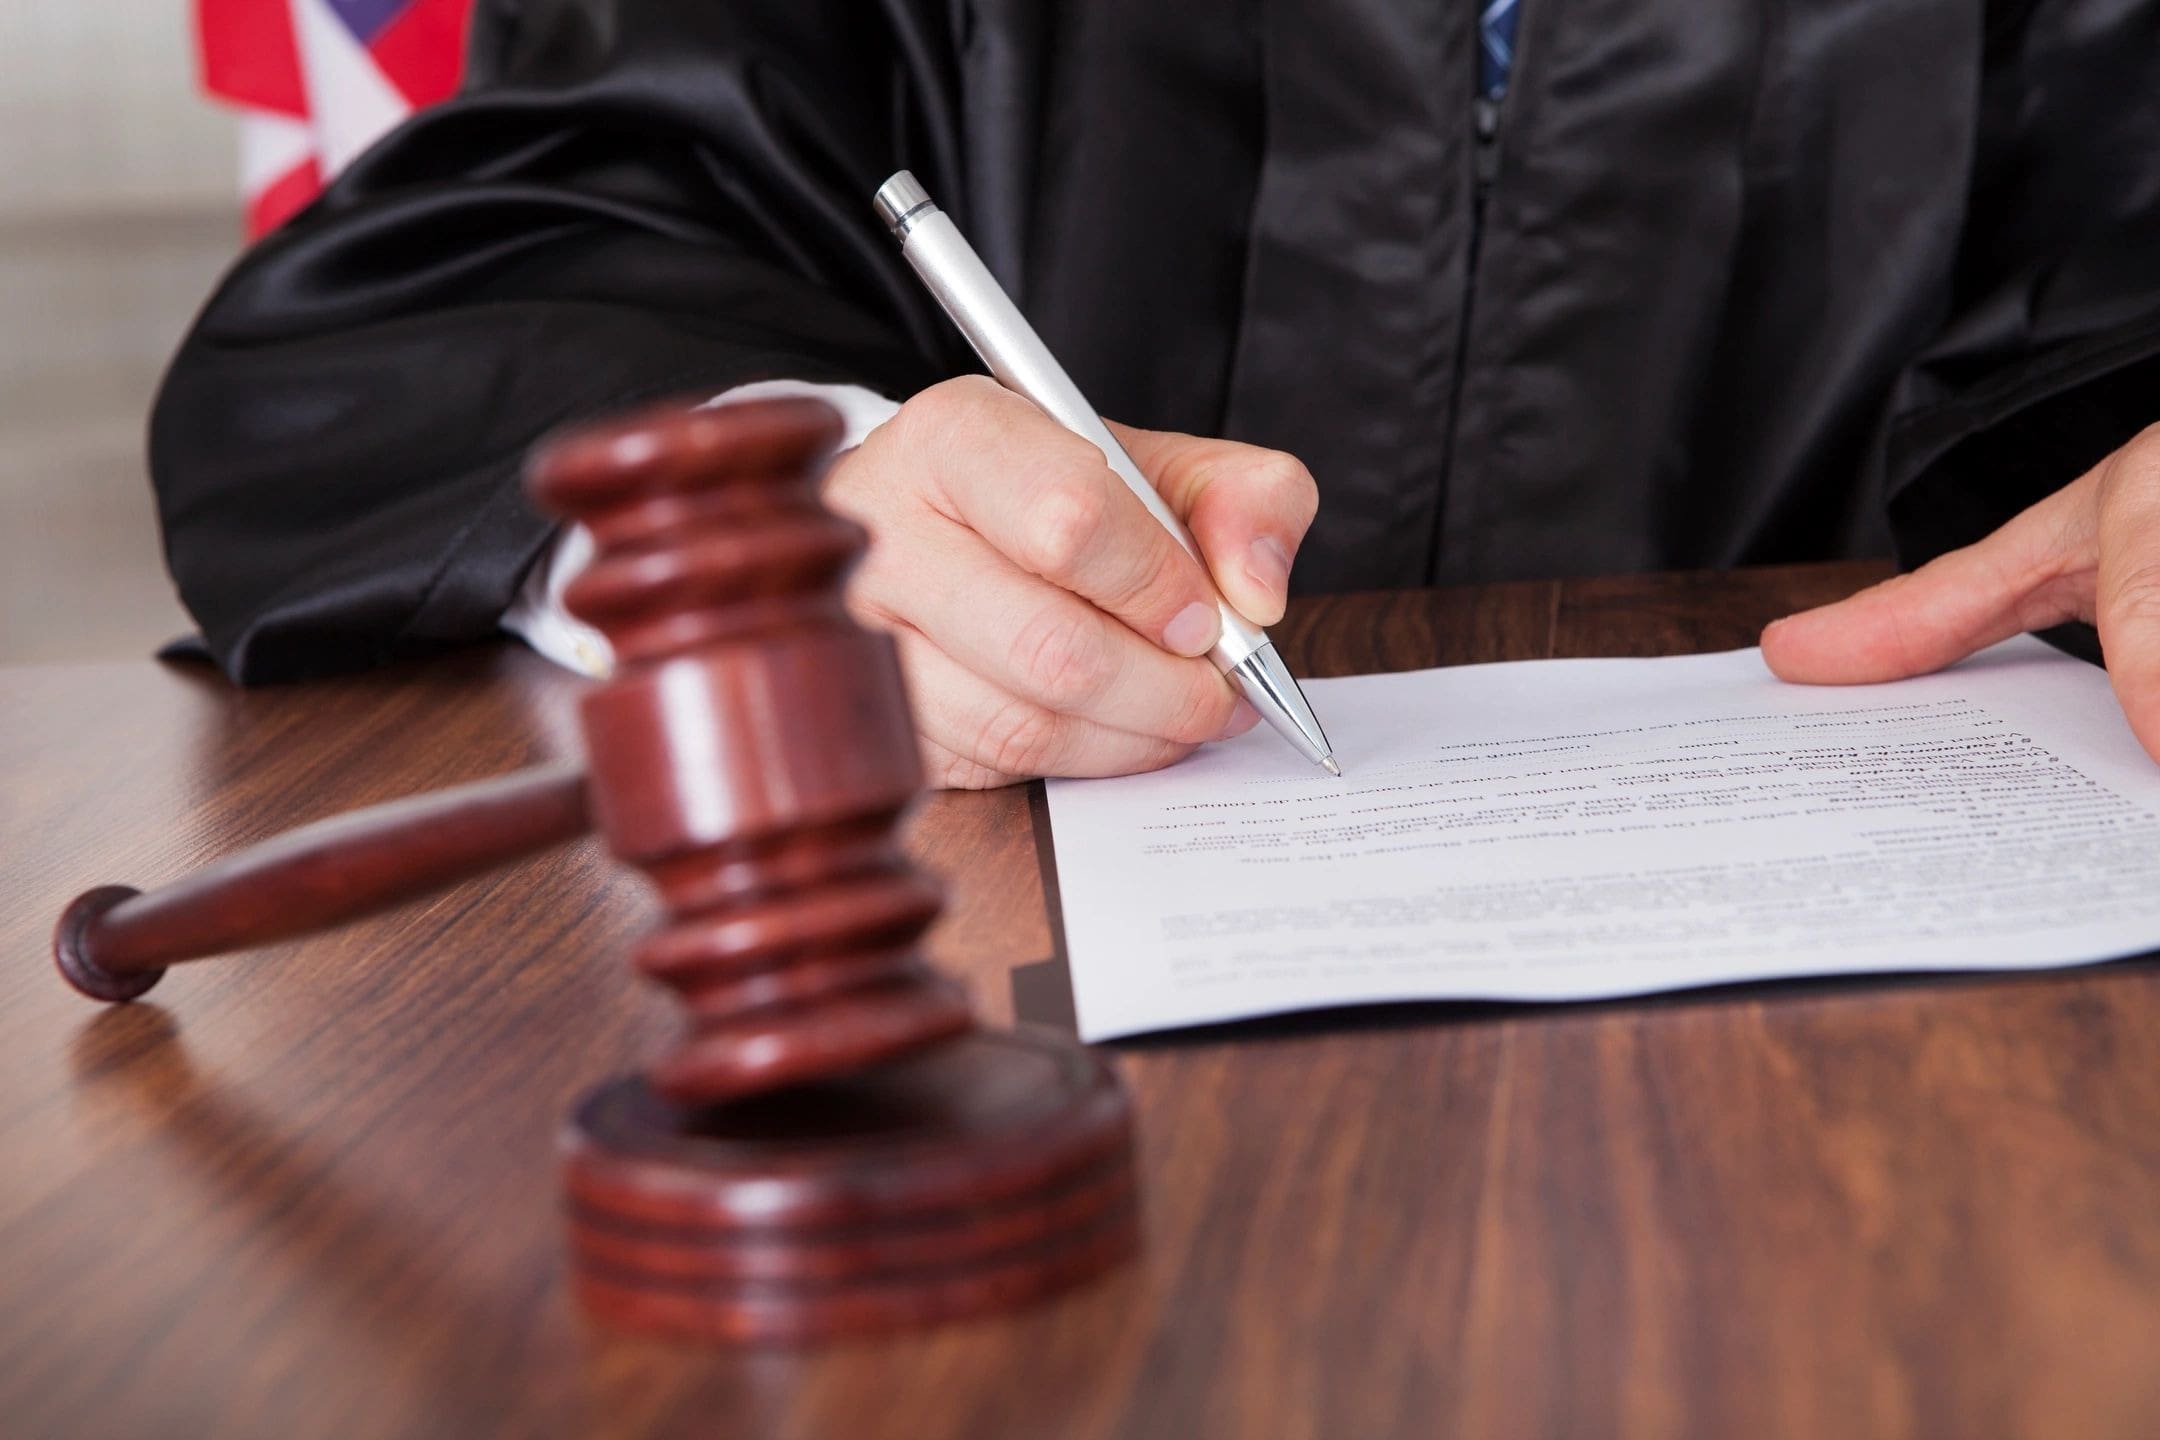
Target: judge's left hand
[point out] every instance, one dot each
(2090, 552)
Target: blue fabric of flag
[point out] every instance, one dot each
(366, 18)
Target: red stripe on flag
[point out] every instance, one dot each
(423, 49)
(249, 55)
(283, 198)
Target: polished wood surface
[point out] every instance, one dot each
(317, 1197)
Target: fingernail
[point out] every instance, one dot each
(1193, 630)
(1242, 719)
(1269, 566)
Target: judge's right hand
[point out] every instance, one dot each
(1047, 624)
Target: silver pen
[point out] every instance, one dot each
(1016, 355)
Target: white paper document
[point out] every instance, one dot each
(1576, 829)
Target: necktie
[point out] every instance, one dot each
(1496, 45)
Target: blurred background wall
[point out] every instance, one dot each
(99, 114)
(118, 209)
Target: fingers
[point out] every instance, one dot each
(2023, 577)
(1046, 645)
(976, 736)
(1047, 500)
(2127, 587)
(2089, 551)
(1050, 624)
(1248, 510)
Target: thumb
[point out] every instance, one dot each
(1248, 510)
(2017, 579)
(2126, 598)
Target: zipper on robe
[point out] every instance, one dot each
(1484, 164)
(1484, 170)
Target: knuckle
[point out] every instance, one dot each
(1065, 525)
(2128, 478)
(974, 391)
(1017, 739)
(1153, 580)
(919, 418)
(1204, 707)
(848, 488)
(1286, 476)
(958, 397)
(2136, 598)
(942, 417)
(1061, 656)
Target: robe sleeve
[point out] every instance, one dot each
(2049, 358)
(631, 199)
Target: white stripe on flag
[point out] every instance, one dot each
(350, 100)
(271, 147)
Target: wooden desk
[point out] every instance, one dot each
(313, 1192)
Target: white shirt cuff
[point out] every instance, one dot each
(537, 615)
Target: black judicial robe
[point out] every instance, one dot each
(1732, 282)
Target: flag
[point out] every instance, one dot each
(316, 82)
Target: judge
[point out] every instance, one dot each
(1568, 287)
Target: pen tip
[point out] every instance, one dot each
(1327, 763)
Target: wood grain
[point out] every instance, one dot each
(319, 1198)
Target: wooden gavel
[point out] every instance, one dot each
(834, 1146)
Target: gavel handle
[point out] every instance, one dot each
(114, 942)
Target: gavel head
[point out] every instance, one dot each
(753, 751)
(834, 1148)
